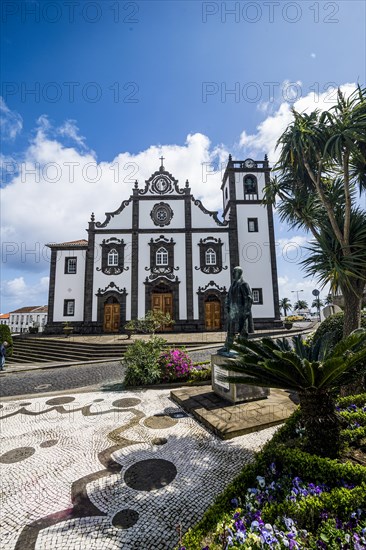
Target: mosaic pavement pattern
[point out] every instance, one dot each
(109, 471)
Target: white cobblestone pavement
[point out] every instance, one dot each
(108, 470)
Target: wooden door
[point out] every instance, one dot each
(213, 315)
(163, 302)
(112, 314)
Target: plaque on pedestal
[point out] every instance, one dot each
(235, 393)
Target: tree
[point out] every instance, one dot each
(314, 371)
(328, 300)
(285, 305)
(301, 304)
(322, 165)
(153, 321)
(318, 303)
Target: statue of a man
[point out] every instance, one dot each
(239, 309)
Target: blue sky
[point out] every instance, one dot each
(136, 78)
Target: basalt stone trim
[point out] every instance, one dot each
(89, 274)
(272, 246)
(172, 286)
(166, 230)
(202, 297)
(189, 256)
(51, 291)
(135, 258)
(121, 299)
(233, 225)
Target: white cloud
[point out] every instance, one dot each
(19, 293)
(11, 123)
(71, 130)
(59, 186)
(268, 131)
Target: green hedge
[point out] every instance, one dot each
(292, 461)
(5, 336)
(340, 501)
(334, 326)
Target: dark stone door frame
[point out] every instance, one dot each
(121, 299)
(171, 286)
(202, 298)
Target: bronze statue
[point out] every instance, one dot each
(239, 310)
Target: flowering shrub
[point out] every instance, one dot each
(248, 527)
(175, 364)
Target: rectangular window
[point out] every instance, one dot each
(257, 296)
(69, 308)
(70, 265)
(253, 225)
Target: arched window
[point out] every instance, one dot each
(250, 186)
(113, 257)
(162, 256)
(210, 257)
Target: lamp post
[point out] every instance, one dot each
(297, 293)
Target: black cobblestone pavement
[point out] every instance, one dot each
(67, 378)
(60, 379)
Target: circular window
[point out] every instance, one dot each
(161, 214)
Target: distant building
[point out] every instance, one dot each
(161, 249)
(4, 318)
(21, 320)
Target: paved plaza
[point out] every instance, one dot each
(108, 470)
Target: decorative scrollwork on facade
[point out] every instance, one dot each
(110, 215)
(111, 287)
(212, 213)
(112, 247)
(156, 272)
(211, 285)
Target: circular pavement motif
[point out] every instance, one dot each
(159, 422)
(125, 519)
(151, 474)
(159, 441)
(60, 400)
(17, 455)
(48, 443)
(126, 402)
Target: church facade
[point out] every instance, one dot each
(162, 250)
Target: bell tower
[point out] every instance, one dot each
(251, 231)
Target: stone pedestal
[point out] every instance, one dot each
(235, 393)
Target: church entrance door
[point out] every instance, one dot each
(112, 316)
(212, 313)
(163, 301)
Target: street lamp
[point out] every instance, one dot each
(297, 293)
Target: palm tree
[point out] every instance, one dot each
(285, 305)
(328, 300)
(301, 304)
(311, 370)
(318, 303)
(322, 164)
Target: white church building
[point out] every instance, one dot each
(162, 250)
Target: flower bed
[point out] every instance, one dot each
(289, 498)
(149, 362)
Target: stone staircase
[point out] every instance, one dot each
(64, 350)
(42, 350)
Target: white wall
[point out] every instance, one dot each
(255, 255)
(101, 280)
(146, 207)
(122, 220)
(69, 286)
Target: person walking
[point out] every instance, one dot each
(3, 347)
